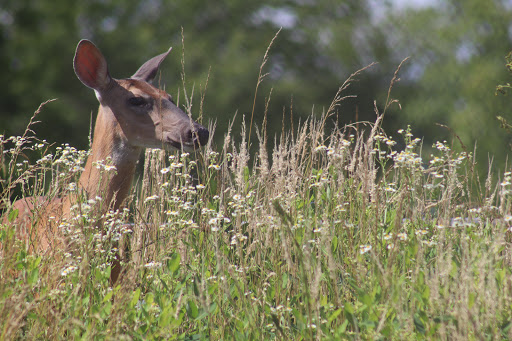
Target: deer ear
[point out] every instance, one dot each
(90, 66)
(149, 69)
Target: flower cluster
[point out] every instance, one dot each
(69, 158)
(218, 221)
(337, 149)
(505, 184)
(68, 270)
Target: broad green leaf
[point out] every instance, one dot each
(13, 215)
(173, 264)
(192, 310)
(334, 315)
(135, 298)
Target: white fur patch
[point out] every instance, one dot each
(98, 96)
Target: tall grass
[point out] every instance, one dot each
(338, 235)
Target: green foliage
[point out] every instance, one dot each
(456, 62)
(341, 234)
(503, 90)
(344, 236)
(455, 48)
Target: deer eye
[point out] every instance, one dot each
(137, 101)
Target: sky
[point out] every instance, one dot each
(414, 3)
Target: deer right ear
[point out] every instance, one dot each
(149, 69)
(90, 66)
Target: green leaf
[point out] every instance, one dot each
(247, 174)
(334, 244)
(173, 264)
(13, 215)
(213, 186)
(426, 293)
(471, 299)
(298, 315)
(271, 292)
(135, 298)
(500, 276)
(194, 285)
(343, 327)
(105, 312)
(36, 262)
(323, 300)
(165, 317)
(33, 276)
(212, 288)
(192, 310)
(454, 270)
(444, 318)
(284, 280)
(349, 308)
(150, 298)
(334, 315)
(86, 300)
(421, 278)
(202, 315)
(418, 323)
(108, 296)
(366, 299)
(34, 316)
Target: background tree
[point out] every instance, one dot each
(457, 50)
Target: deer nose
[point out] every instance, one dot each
(199, 135)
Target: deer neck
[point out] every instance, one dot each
(109, 148)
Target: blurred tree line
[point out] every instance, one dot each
(457, 50)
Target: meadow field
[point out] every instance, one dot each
(331, 234)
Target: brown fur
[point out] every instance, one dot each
(121, 131)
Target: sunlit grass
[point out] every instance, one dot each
(337, 235)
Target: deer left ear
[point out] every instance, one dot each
(149, 69)
(90, 66)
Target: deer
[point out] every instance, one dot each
(133, 115)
